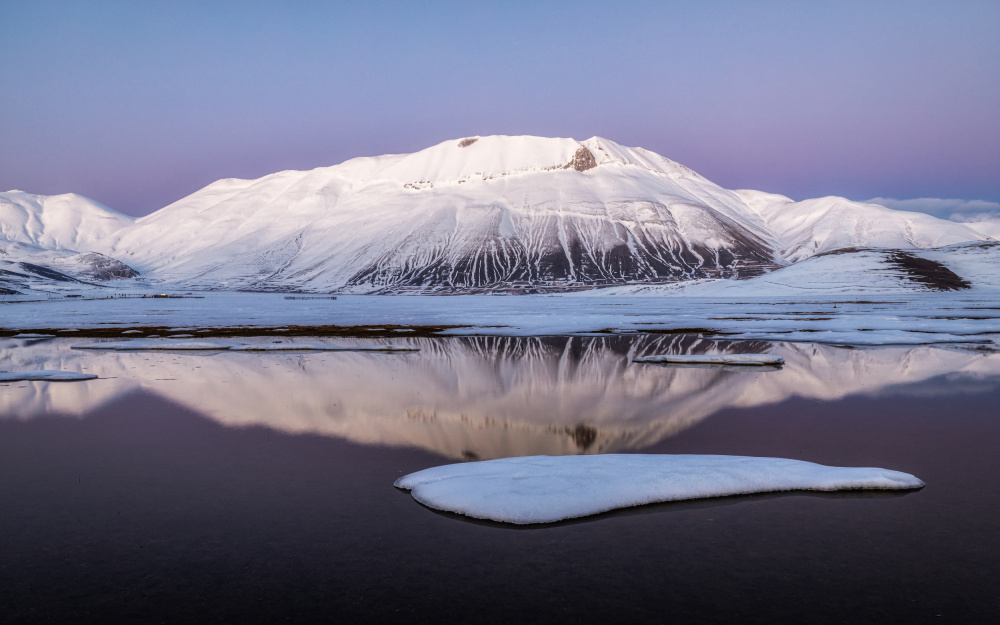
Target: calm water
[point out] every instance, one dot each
(258, 487)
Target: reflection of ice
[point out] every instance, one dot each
(167, 345)
(44, 376)
(743, 360)
(478, 397)
(543, 489)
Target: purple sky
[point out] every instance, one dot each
(137, 106)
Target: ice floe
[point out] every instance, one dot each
(319, 347)
(713, 359)
(157, 345)
(546, 489)
(203, 345)
(865, 337)
(31, 335)
(44, 375)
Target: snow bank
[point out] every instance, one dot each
(45, 376)
(714, 359)
(545, 489)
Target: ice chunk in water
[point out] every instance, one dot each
(545, 489)
(45, 376)
(714, 359)
(141, 344)
(319, 347)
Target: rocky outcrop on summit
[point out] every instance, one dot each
(583, 160)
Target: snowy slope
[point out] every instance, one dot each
(25, 267)
(57, 222)
(987, 228)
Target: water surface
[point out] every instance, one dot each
(227, 487)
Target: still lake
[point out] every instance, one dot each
(257, 487)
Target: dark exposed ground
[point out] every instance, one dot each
(930, 273)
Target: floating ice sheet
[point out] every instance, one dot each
(203, 345)
(123, 346)
(546, 489)
(713, 359)
(864, 337)
(319, 347)
(32, 335)
(44, 375)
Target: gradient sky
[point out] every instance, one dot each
(137, 106)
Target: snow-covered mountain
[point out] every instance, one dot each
(472, 214)
(478, 214)
(811, 227)
(57, 222)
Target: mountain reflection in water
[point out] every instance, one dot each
(483, 397)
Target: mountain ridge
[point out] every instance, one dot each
(481, 214)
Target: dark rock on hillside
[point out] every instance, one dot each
(929, 273)
(100, 267)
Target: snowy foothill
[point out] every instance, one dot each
(750, 360)
(44, 375)
(545, 489)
